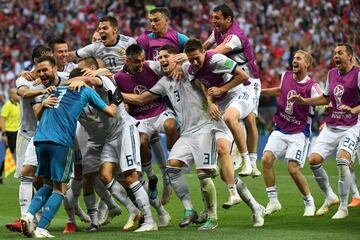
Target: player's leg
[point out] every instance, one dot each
(325, 144)
(252, 142)
(303, 186)
(223, 146)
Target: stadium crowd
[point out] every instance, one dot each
(268, 24)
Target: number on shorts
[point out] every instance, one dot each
(129, 160)
(207, 159)
(348, 143)
(244, 96)
(298, 155)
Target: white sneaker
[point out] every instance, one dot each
(255, 172)
(42, 233)
(258, 217)
(245, 169)
(110, 215)
(133, 217)
(81, 214)
(272, 206)
(164, 220)
(309, 209)
(27, 226)
(102, 212)
(341, 213)
(233, 200)
(147, 227)
(328, 203)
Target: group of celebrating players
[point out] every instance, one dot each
(102, 117)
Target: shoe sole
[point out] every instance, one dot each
(207, 229)
(227, 206)
(13, 229)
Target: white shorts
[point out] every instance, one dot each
(291, 146)
(331, 139)
(22, 143)
(125, 150)
(255, 87)
(155, 124)
(91, 159)
(198, 148)
(30, 155)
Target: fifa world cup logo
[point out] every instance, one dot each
(290, 105)
(139, 89)
(338, 93)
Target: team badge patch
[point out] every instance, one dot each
(121, 51)
(229, 63)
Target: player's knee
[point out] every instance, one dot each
(230, 120)
(267, 160)
(130, 177)
(174, 163)
(342, 154)
(170, 127)
(315, 159)
(294, 170)
(222, 150)
(144, 140)
(28, 171)
(106, 177)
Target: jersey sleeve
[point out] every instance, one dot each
(316, 91)
(281, 79)
(5, 110)
(160, 87)
(232, 41)
(107, 84)
(86, 51)
(182, 40)
(143, 42)
(156, 67)
(221, 64)
(187, 75)
(21, 81)
(211, 38)
(93, 98)
(327, 87)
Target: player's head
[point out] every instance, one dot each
(135, 59)
(165, 53)
(159, 20)
(343, 56)
(96, 37)
(60, 50)
(46, 69)
(13, 95)
(195, 52)
(39, 51)
(222, 17)
(76, 72)
(108, 30)
(302, 62)
(88, 62)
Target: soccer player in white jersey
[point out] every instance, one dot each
(121, 152)
(96, 126)
(342, 128)
(26, 164)
(228, 102)
(196, 143)
(60, 50)
(112, 47)
(230, 40)
(290, 139)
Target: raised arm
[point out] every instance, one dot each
(25, 92)
(275, 91)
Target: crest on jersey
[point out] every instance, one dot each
(139, 89)
(338, 94)
(290, 105)
(121, 51)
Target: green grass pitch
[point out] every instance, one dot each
(234, 223)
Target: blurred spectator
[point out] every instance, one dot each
(10, 122)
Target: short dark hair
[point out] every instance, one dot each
(89, 62)
(46, 58)
(349, 49)
(55, 41)
(169, 48)
(133, 49)
(112, 20)
(76, 72)
(39, 51)
(164, 11)
(225, 10)
(193, 45)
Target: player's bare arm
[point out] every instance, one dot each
(140, 100)
(271, 91)
(321, 100)
(25, 92)
(354, 110)
(49, 102)
(212, 107)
